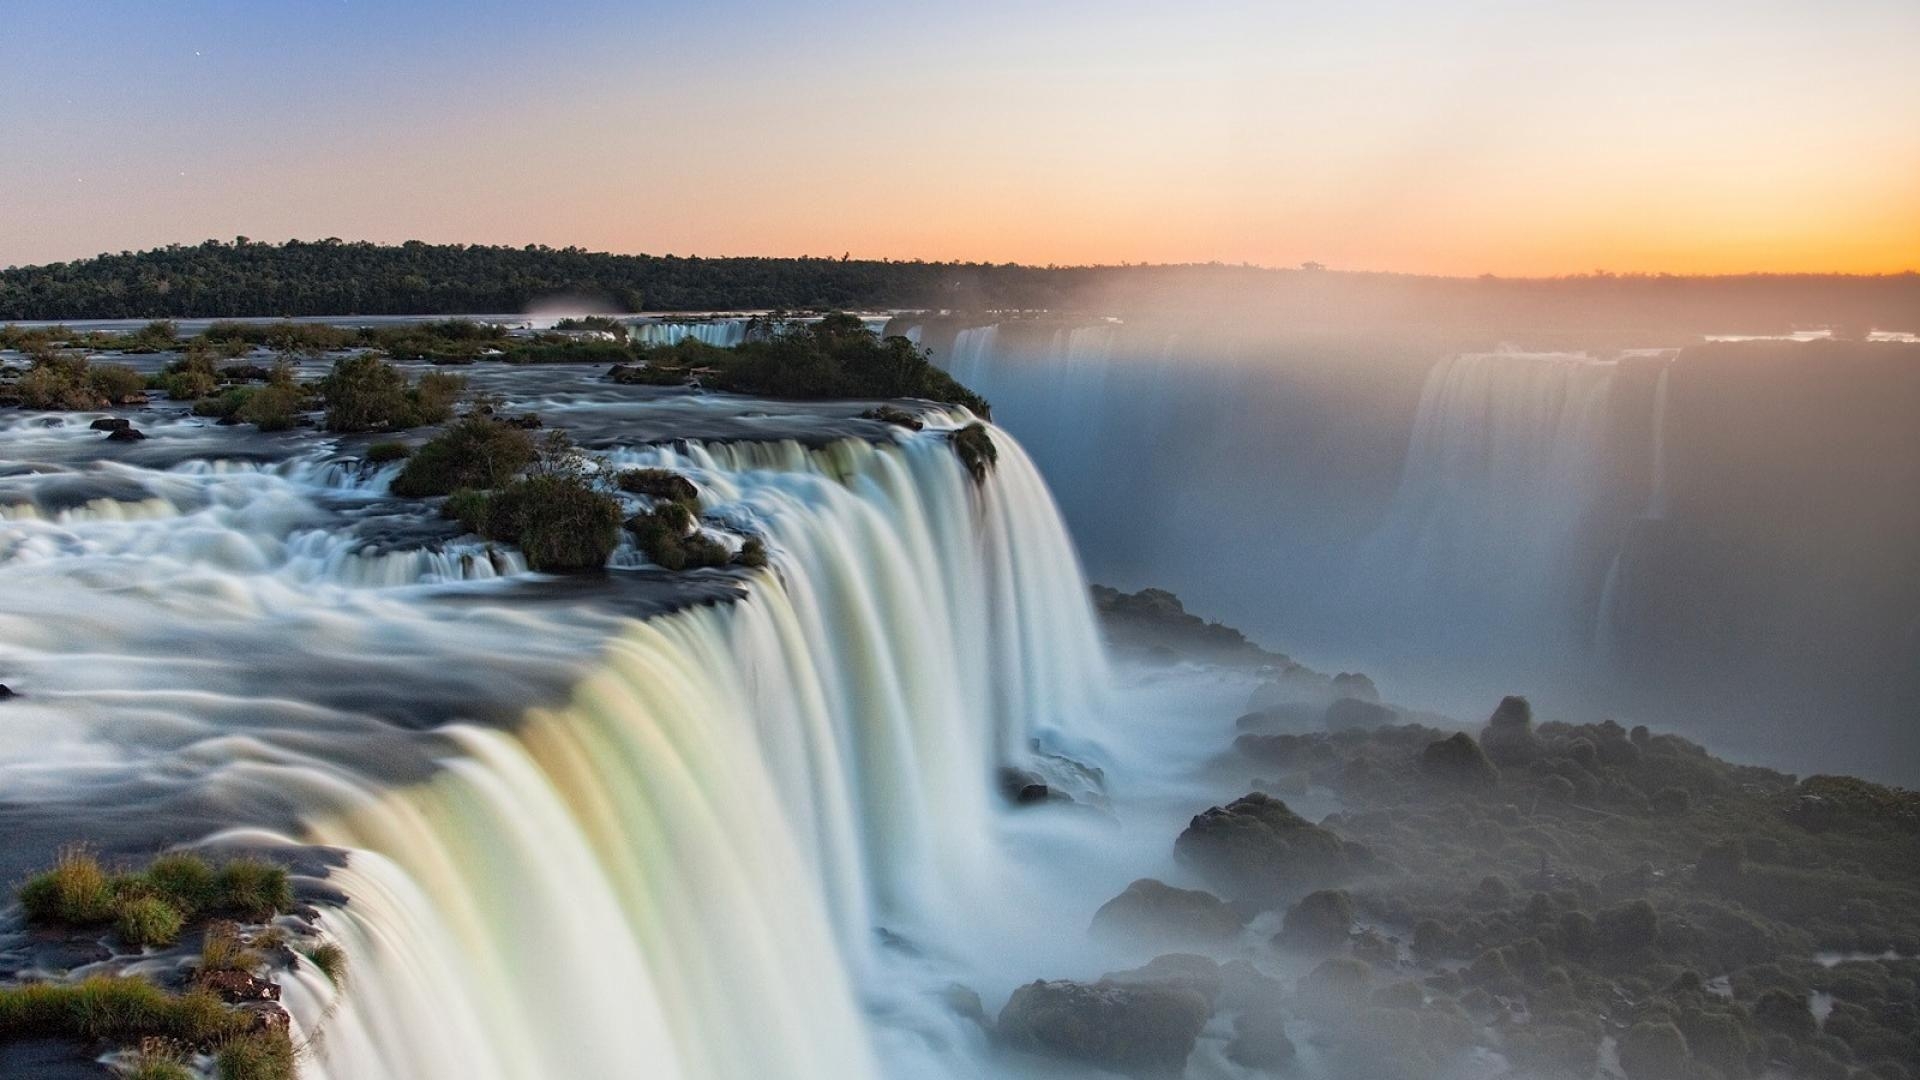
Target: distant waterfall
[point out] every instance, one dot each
(1505, 467)
(723, 333)
(1657, 485)
(701, 842)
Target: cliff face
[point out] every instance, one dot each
(1784, 573)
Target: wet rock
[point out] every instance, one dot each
(1321, 921)
(1508, 738)
(1458, 760)
(1257, 848)
(236, 987)
(1174, 971)
(1155, 915)
(965, 1001)
(1023, 787)
(126, 434)
(1139, 1031)
(1260, 1040)
(1355, 714)
(266, 1018)
(6, 692)
(887, 414)
(111, 423)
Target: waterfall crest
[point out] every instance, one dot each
(737, 797)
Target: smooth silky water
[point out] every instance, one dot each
(720, 824)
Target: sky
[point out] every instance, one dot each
(1515, 137)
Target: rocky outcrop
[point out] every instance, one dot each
(1458, 760)
(1256, 848)
(1154, 915)
(1355, 714)
(1508, 738)
(1138, 1030)
(111, 423)
(1321, 921)
(126, 434)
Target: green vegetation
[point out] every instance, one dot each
(670, 536)
(68, 382)
(560, 522)
(472, 453)
(659, 484)
(365, 393)
(115, 1009)
(331, 959)
(153, 906)
(262, 1056)
(382, 453)
(976, 450)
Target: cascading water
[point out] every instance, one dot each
(1504, 470)
(700, 840)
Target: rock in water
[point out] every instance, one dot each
(126, 434)
(111, 423)
(1320, 921)
(1154, 915)
(5, 692)
(1256, 848)
(1139, 1031)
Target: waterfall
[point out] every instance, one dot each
(1503, 472)
(722, 333)
(974, 350)
(738, 795)
(1657, 485)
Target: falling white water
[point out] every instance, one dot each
(722, 333)
(1657, 484)
(701, 839)
(1504, 469)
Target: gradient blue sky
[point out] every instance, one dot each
(1511, 137)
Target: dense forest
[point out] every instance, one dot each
(333, 277)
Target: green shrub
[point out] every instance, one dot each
(560, 522)
(226, 405)
(1652, 1051)
(669, 537)
(266, 1055)
(223, 949)
(59, 382)
(252, 889)
(469, 508)
(752, 554)
(118, 383)
(658, 484)
(365, 393)
(188, 385)
(381, 453)
(186, 881)
(331, 959)
(148, 920)
(114, 1009)
(473, 453)
(271, 408)
(76, 892)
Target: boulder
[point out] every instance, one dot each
(6, 692)
(236, 987)
(1257, 848)
(1175, 971)
(1260, 1041)
(126, 434)
(111, 423)
(1154, 915)
(1458, 760)
(1143, 1031)
(1355, 714)
(1320, 922)
(1508, 738)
